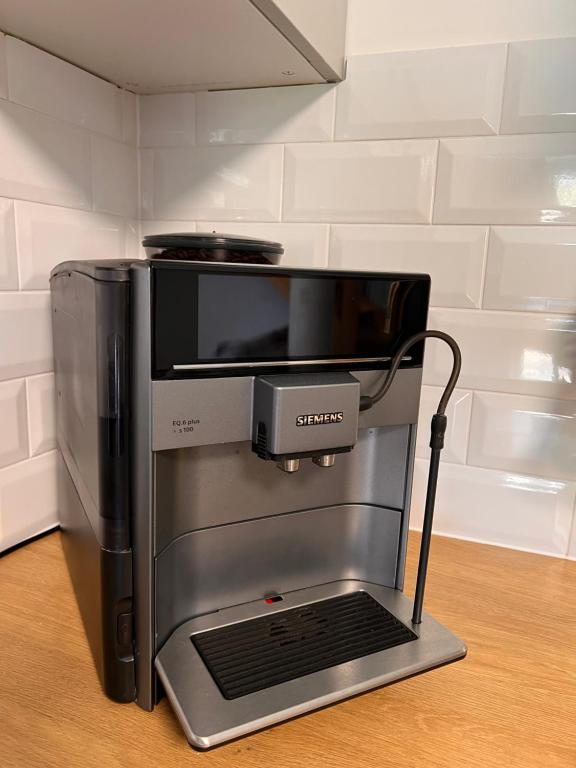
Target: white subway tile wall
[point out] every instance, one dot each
(385, 181)
(132, 239)
(263, 115)
(157, 227)
(528, 179)
(458, 413)
(224, 182)
(25, 334)
(28, 499)
(459, 162)
(523, 353)
(8, 261)
(13, 417)
(524, 434)
(41, 422)
(68, 190)
(129, 118)
(43, 159)
(452, 256)
(443, 92)
(494, 507)
(45, 230)
(114, 177)
(515, 273)
(540, 95)
(168, 120)
(305, 245)
(572, 545)
(50, 85)
(386, 25)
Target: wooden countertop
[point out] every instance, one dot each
(511, 702)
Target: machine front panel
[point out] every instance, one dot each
(239, 353)
(214, 568)
(207, 411)
(213, 486)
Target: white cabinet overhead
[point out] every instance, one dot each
(161, 46)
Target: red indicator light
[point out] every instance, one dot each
(269, 600)
(273, 599)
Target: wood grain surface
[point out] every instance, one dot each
(511, 702)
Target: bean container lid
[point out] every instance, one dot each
(211, 241)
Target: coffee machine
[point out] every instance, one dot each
(237, 442)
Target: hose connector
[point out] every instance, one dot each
(438, 430)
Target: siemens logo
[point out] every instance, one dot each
(311, 419)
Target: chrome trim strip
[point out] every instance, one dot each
(272, 363)
(142, 488)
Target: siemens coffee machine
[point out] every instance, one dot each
(237, 443)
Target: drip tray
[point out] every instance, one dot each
(256, 654)
(244, 668)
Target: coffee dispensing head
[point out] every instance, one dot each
(301, 416)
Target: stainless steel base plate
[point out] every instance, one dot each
(209, 719)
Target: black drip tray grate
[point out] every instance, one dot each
(256, 654)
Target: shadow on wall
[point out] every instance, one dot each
(43, 159)
(47, 160)
(236, 169)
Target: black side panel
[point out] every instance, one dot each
(102, 583)
(91, 348)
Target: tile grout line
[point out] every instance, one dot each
(196, 143)
(572, 532)
(500, 470)
(7, 70)
(498, 393)
(508, 312)
(75, 209)
(328, 247)
(487, 241)
(139, 172)
(435, 184)
(28, 420)
(28, 459)
(469, 430)
(26, 292)
(91, 166)
(17, 243)
(335, 100)
(357, 224)
(504, 92)
(486, 542)
(25, 376)
(282, 181)
(338, 142)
